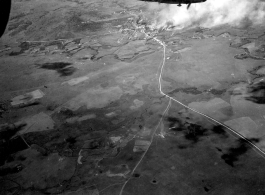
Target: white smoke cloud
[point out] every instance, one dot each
(209, 14)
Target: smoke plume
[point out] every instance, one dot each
(209, 14)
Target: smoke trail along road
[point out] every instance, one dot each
(209, 14)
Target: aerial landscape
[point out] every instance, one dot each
(128, 97)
